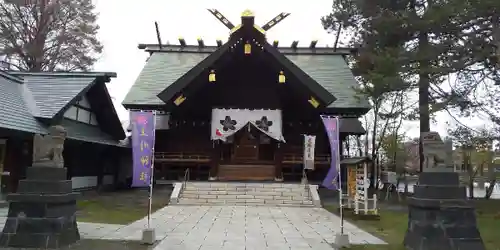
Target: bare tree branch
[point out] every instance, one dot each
(50, 36)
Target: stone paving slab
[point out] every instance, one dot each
(234, 228)
(242, 227)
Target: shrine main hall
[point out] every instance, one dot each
(239, 110)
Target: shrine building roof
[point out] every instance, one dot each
(321, 69)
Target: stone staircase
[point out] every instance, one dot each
(245, 194)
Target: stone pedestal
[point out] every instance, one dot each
(341, 241)
(148, 236)
(43, 212)
(440, 216)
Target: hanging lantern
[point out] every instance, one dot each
(211, 76)
(248, 48)
(281, 77)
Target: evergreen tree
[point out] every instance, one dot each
(417, 44)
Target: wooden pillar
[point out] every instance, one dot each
(214, 161)
(278, 162)
(117, 166)
(348, 144)
(341, 150)
(103, 161)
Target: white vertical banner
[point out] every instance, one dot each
(309, 144)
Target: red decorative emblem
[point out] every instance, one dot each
(218, 132)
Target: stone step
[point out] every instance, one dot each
(237, 184)
(254, 202)
(262, 193)
(243, 196)
(216, 192)
(277, 189)
(269, 193)
(246, 194)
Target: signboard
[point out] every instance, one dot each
(143, 139)
(309, 144)
(351, 181)
(331, 180)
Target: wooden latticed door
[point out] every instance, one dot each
(246, 148)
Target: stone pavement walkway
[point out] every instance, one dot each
(239, 227)
(235, 228)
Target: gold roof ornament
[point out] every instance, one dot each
(247, 13)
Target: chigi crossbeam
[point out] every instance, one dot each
(273, 22)
(221, 18)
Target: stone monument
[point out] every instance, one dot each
(440, 217)
(42, 214)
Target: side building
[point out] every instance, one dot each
(80, 102)
(239, 110)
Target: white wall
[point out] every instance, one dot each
(81, 182)
(81, 115)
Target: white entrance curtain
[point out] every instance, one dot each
(226, 122)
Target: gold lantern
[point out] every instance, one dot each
(281, 77)
(248, 48)
(211, 76)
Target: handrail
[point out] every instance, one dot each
(305, 182)
(186, 176)
(319, 159)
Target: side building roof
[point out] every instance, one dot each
(166, 65)
(14, 111)
(43, 98)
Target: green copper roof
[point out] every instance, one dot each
(161, 70)
(333, 73)
(164, 68)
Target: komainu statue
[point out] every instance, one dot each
(438, 154)
(48, 149)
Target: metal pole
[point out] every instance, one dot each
(340, 180)
(158, 36)
(152, 170)
(337, 37)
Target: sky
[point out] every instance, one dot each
(125, 24)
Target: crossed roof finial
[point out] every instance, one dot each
(248, 13)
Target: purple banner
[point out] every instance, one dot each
(143, 139)
(331, 180)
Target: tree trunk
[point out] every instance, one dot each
(492, 180)
(423, 92)
(496, 35)
(491, 187)
(406, 184)
(471, 187)
(360, 150)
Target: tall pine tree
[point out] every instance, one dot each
(417, 44)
